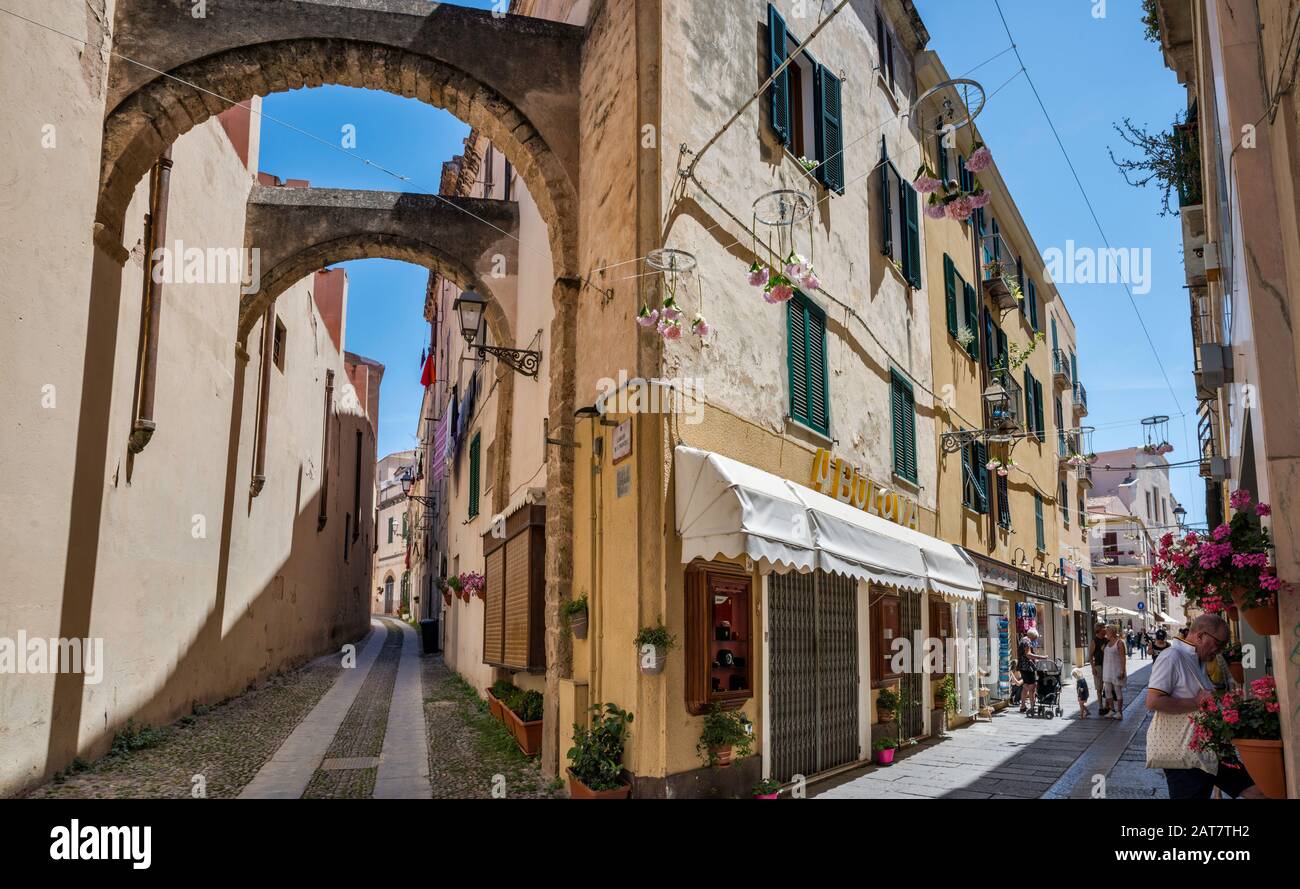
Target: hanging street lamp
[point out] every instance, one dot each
(470, 307)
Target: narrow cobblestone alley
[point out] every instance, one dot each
(1019, 757)
(398, 724)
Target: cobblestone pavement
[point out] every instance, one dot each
(352, 760)
(1021, 757)
(226, 743)
(470, 753)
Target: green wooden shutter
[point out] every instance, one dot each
(990, 340)
(1055, 344)
(830, 131)
(1038, 521)
(981, 457)
(912, 236)
(972, 321)
(1004, 503)
(798, 359)
(473, 475)
(1031, 297)
(818, 396)
(392, 524)
(943, 156)
(1039, 426)
(1003, 357)
(967, 483)
(780, 89)
(950, 294)
(903, 413)
(1060, 428)
(1074, 369)
(887, 241)
(1029, 401)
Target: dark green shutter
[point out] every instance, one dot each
(943, 156)
(1031, 297)
(473, 475)
(1038, 410)
(950, 294)
(967, 483)
(981, 457)
(809, 395)
(1074, 369)
(830, 131)
(1003, 357)
(903, 413)
(1004, 502)
(1060, 427)
(887, 242)
(780, 89)
(818, 406)
(1038, 521)
(972, 321)
(1029, 401)
(1055, 345)
(798, 336)
(990, 340)
(912, 236)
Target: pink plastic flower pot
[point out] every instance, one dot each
(885, 757)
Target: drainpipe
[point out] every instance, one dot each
(323, 517)
(151, 309)
(264, 399)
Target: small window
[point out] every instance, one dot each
(1004, 503)
(885, 43)
(900, 209)
(903, 413)
(975, 478)
(1064, 496)
(279, 344)
(806, 112)
(1112, 586)
(392, 528)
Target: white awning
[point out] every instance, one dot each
(725, 507)
(1114, 609)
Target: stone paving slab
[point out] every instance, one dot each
(289, 771)
(404, 767)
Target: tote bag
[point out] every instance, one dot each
(1169, 739)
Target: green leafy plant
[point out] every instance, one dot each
(527, 705)
(884, 744)
(574, 606)
(502, 689)
(132, 737)
(596, 757)
(766, 786)
(948, 693)
(1168, 157)
(1150, 21)
(887, 699)
(659, 637)
(725, 729)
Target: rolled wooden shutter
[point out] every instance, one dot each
(493, 605)
(780, 89)
(516, 601)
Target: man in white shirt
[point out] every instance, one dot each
(1178, 684)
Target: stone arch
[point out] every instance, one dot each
(152, 117)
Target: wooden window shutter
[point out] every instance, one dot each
(972, 320)
(1039, 425)
(1004, 502)
(830, 130)
(1038, 521)
(1003, 356)
(981, 457)
(950, 294)
(1029, 401)
(473, 475)
(912, 234)
(990, 340)
(516, 600)
(967, 480)
(798, 360)
(887, 217)
(780, 89)
(1031, 297)
(943, 154)
(493, 606)
(818, 396)
(903, 411)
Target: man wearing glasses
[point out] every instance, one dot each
(1179, 684)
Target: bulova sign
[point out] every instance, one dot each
(837, 478)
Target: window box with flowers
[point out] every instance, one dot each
(1245, 726)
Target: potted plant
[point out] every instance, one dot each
(445, 590)
(652, 645)
(725, 733)
(472, 584)
(1257, 737)
(500, 692)
(523, 716)
(885, 749)
(768, 788)
(575, 612)
(886, 705)
(1233, 655)
(453, 584)
(596, 757)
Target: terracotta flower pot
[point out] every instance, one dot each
(721, 756)
(1263, 761)
(496, 708)
(528, 735)
(446, 597)
(1236, 672)
(578, 623)
(578, 790)
(1263, 619)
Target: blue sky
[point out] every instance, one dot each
(1091, 73)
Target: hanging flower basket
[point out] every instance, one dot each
(666, 318)
(473, 584)
(1262, 616)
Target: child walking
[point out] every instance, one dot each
(1081, 685)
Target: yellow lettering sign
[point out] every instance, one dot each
(836, 478)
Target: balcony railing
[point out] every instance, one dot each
(1080, 400)
(1187, 155)
(1002, 402)
(1061, 373)
(1000, 271)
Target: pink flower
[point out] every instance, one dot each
(779, 294)
(1232, 717)
(1270, 582)
(1167, 540)
(810, 281)
(670, 311)
(960, 209)
(648, 317)
(1272, 708)
(1263, 509)
(758, 275)
(700, 327)
(797, 267)
(1263, 687)
(671, 330)
(1240, 498)
(926, 184)
(979, 160)
(980, 199)
(935, 210)
(1221, 532)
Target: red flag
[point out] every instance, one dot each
(430, 374)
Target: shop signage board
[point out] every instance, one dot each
(837, 478)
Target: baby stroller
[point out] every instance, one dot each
(1049, 689)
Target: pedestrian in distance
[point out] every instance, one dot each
(1098, 647)
(1160, 644)
(1017, 686)
(1177, 688)
(1028, 662)
(1114, 673)
(1081, 686)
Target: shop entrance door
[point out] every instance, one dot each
(911, 686)
(813, 672)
